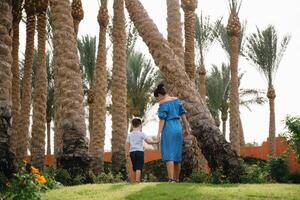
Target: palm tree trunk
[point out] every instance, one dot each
(202, 86)
(91, 102)
(23, 129)
(272, 129)
(17, 15)
(74, 156)
(6, 156)
(189, 7)
(214, 147)
(40, 98)
(119, 90)
(233, 30)
(98, 136)
(241, 133)
(57, 113)
(224, 117)
(48, 135)
(77, 14)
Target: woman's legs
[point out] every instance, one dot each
(170, 169)
(177, 168)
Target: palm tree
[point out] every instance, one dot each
(17, 15)
(87, 52)
(204, 35)
(218, 94)
(119, 90)
(265, 53)
(224, 40)
(214, 146)
(6, 156)
(40, 95)
(233, 31)
(23, 129)
(50, 101)
(141, 79)
(77, 14)
(98, 134)
(74, 157)
(189, 7)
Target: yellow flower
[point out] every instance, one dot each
(41, 179)
(35, 170)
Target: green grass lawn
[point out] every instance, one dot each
(168, 191)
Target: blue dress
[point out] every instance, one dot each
(171, 136)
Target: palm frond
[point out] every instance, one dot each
(262, 51)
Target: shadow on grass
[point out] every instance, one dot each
(166, 191)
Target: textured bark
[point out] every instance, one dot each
(23, 128)
(216, 150)
(217, 121)
(98, 136)
(91, 102)
(189, 7)
(241, 132)
(119, 90)
(192, 158)
(40, 98)
(17, 15)
(7, 165)
(224, 117)
(57, 112)
(77, 14)
(272, 129)
(202, 86)
(74, 157)
(234, 30)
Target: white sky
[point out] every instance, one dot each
(285, 15)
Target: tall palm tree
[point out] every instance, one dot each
(204, 35)
(40, 95)
(77, 14)
(234, 31)
(119, 90)
(189, 7)
(17, 15)
(87, 52)
(6, 156)
(224, 40)
(50, 101)
(264, 52)
(74, 155)
(23, 129)
(214, 147)
(98, 134)
(218, 94)
(141, 79)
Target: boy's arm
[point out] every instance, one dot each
(148, 141)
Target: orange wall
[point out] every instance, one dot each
(257, 152)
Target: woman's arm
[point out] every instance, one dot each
(160, 127)
(186, 124)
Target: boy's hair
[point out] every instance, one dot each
(136, 122)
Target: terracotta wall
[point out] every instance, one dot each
(258, 152)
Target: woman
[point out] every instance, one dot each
(170, 131)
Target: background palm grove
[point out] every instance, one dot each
(65, 89)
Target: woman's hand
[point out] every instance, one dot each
(158, 138)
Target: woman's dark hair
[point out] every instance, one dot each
(136, 122)
(160, 89)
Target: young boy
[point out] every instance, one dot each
(134, 145)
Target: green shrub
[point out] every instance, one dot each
(108, 178)
(63, 176)
(199, 177)
(254, 174)
(216, 177)
(149, 178)
(278, 168)
(294, 177)
(157, 168)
